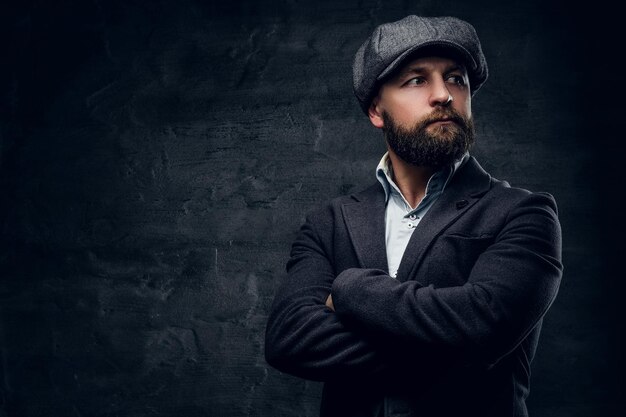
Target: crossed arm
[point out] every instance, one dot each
(304, 337)
(324, 326)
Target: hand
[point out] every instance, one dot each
(329, 302)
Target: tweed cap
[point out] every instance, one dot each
(392, 43)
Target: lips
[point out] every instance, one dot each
(443, 120)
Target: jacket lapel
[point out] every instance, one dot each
(365, 221)
(466, 187)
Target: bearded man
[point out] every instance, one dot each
(424, 294)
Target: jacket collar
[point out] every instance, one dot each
(365, 218)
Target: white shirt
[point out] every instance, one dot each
(400, 218)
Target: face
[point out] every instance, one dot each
(425, 112)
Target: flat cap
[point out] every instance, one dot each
(392, 43)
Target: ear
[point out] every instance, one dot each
(375, 113)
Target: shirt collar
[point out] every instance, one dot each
(384, 174)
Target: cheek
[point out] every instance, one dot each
(464, 106)
(409, 108)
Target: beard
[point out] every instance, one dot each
(441, 146)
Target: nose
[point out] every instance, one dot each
(440, 95)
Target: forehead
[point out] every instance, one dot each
(428, 64)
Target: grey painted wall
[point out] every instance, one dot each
(157, 159)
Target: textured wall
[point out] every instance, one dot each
(158, 157)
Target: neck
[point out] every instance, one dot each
(410, 179)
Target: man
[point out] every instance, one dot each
(424, 294)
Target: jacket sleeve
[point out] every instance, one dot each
(304, 337)
(509, 289)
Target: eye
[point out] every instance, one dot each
(456, 79)
(416, 81)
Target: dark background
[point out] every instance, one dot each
(157, 159)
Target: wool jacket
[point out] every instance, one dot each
(453, 334)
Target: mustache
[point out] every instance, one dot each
(440, 114)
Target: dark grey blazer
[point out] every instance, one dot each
(453, 335)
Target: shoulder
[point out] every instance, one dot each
(497, 193)
(372, 195)
(502, 194)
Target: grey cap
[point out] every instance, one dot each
(391, 43)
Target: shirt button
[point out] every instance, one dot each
(412, 217)
(410, 225)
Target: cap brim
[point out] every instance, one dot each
(395, 64)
